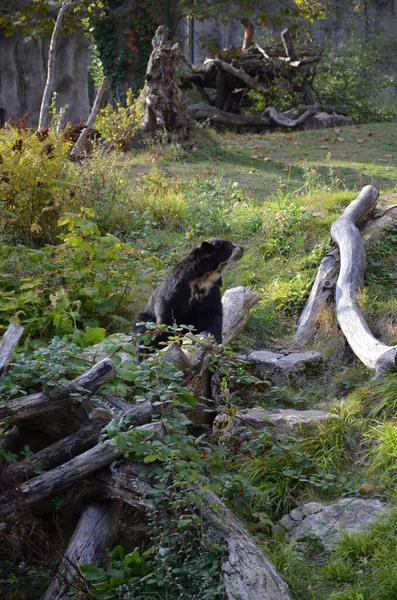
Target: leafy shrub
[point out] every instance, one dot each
(118, 125)
(353, 65)
(85, 281)
(32, 167)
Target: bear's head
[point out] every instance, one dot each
(221, 253)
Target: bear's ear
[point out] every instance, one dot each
(207, 247)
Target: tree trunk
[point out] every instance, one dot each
(75, 444)
(51, 66)
(373, 353)
(164, 105)
(76, 469)
(249, 31)
(293, 56)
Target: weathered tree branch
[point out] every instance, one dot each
(88, 545)
(270, 117)
(25, 408)
(8, 344)
(324, 286)
(370, 351)
(67, 474)
(91, 119)
(293, 56)
(75, 444)
(239, 73)
(247, 572)
(284, 121)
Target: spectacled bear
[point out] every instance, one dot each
(191, 292)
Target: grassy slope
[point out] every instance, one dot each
(316, 173)
(277, 194)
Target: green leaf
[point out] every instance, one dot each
(150, 458)
(94, 335)
(93, 573)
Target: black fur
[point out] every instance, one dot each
(190, 294)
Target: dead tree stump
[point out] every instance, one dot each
(165, 108)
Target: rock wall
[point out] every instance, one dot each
(23, 72)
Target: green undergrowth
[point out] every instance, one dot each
(82, 246)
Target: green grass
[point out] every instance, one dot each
(358, 155)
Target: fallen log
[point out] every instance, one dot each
(373, 353)
(239, 73)
(378, 223)
(88, 545)
(8, 344)
(340, 109)
(65, 475)
(247, 572)
(323, 289)
(284, 121)
(27, 407)
(75, 444)
(270, 117)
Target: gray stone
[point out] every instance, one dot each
(236, 304)
(283, 419)
(278, 367)
(351, 515)
(323, 120)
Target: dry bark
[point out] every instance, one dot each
(239, 73)
(25, 408)
(8, 344)
(323, 289)
(247, 572)
(373, 353)
(88, 545)
(249, 31)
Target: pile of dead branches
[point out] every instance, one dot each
(236, 71)
(97, 480)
